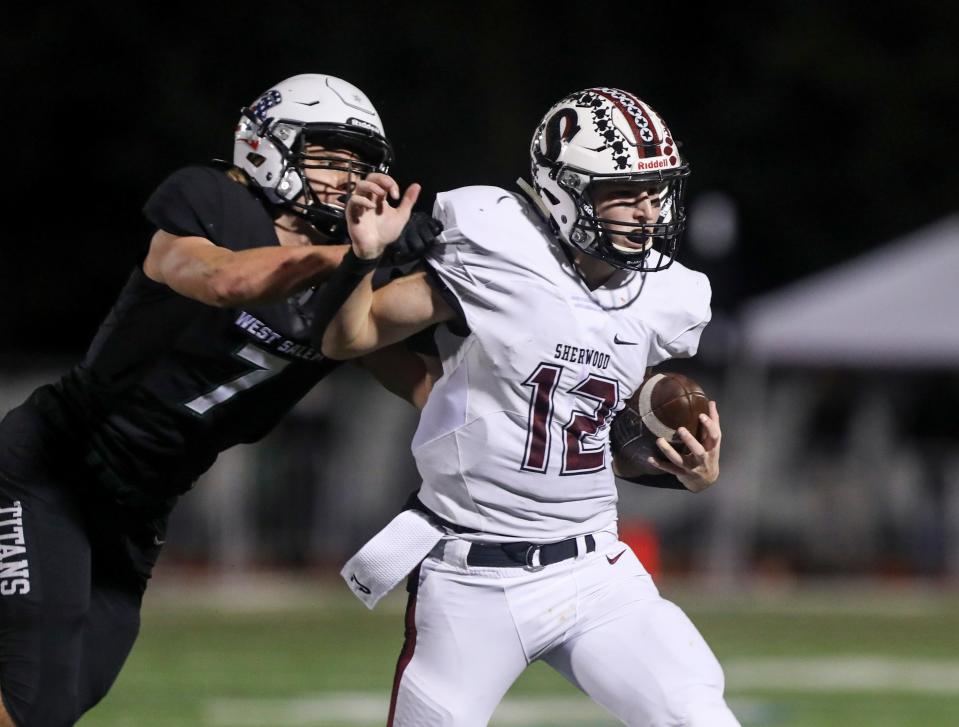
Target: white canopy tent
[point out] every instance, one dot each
(895, 306)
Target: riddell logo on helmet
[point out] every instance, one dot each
(656, 163)
(353, 121)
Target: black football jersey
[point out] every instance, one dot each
(169, 382)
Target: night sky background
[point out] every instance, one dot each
(833, 128)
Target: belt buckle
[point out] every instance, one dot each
(531, 553)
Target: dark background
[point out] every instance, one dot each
(832, 127)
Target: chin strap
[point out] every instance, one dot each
(534, 198)
(334, 230)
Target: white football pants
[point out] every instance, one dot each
(598, 620)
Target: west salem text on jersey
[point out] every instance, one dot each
(588, 356)
(274, 340)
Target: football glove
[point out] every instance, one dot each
(414, 241)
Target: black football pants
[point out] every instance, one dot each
(72, 576)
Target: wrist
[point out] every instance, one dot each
(365, 255)
(354, 262)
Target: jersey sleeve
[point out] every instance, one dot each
(466, 263)
(689, 312)
(188, 203)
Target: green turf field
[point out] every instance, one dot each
(282, 655)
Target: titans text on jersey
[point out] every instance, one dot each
(14, 566)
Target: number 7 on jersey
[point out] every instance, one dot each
(266, 366)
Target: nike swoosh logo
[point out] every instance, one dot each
(307, 103)
(621, 342)
(612, 561)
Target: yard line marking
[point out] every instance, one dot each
(843, 674)
(358, 708)
(788, 674)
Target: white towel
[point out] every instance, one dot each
(390, 555)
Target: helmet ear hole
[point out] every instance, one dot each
(553, 199)
(255, 159)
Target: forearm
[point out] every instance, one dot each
(359, 327)
(627, 468)
(344, 314)
(662, 481)
(268, 274)
(362, 321)
(196, 268)
(631, 452)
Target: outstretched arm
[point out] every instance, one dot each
(196, 268)
(369, 321)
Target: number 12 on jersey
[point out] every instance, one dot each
(578, 458)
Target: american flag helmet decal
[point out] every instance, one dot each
(265, 102)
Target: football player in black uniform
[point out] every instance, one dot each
(207, 346)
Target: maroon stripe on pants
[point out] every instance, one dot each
(406, 655)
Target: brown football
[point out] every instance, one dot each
(663, 403)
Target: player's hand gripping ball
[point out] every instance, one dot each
(663, 403)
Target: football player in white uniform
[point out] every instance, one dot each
(556, 301)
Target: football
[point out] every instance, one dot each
(663, 403)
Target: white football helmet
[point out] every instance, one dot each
(601, 135)
(272, 135)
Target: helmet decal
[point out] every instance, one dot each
(639, 121)
(560, 129)
(265, 102)
(646, 141)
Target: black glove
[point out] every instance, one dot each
(631, 443)
(414, 241)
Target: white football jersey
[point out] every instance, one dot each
(514, 440)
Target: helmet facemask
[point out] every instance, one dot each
(653, 243)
